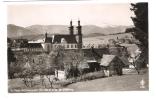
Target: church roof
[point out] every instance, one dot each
(68, 38)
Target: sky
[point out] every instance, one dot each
(60, 14)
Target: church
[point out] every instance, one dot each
(68, 41)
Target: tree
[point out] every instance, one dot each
(133, 57)
(140, 31)
(11, 59)
(41, 67)
(54, 62)
(59, 57)
(28, 71)
(71, 61)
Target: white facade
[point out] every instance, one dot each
(53, 46)
(60, 74)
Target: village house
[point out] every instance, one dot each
(18, 43)
(112, 65)
(88, 63)
(33, 47)
(85, 66)
(89, 66)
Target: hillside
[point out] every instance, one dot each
(52, 29)
(115, 83)
(18, 31)
(37, 30)
(86, 29)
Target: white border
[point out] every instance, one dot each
(143, 95)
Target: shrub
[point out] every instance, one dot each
(72, 72)
(89, 76)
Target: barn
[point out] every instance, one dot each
(112, 65)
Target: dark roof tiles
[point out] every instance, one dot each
(34, 45)
(68, 38)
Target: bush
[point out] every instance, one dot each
(89, 76)
(14, 69)
(72, 72)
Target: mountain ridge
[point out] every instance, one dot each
(87, 30)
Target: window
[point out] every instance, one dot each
(71, 46)
(67, 46)
(75, 45)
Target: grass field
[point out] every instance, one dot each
(18, 84)
(104, 39)
(129, 82)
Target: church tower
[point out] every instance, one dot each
(47, 43)
(46, 35)
(71, 28)
(79, 35)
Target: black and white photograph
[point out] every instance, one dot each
(77, 47)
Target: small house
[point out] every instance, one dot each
(112, 65)
(61, 75)
(33, 47)
(93, 65)
(89, 66)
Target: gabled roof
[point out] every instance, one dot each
(106, 60)
(68, 38)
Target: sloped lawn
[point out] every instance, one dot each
(96, 81)
(129, 82)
